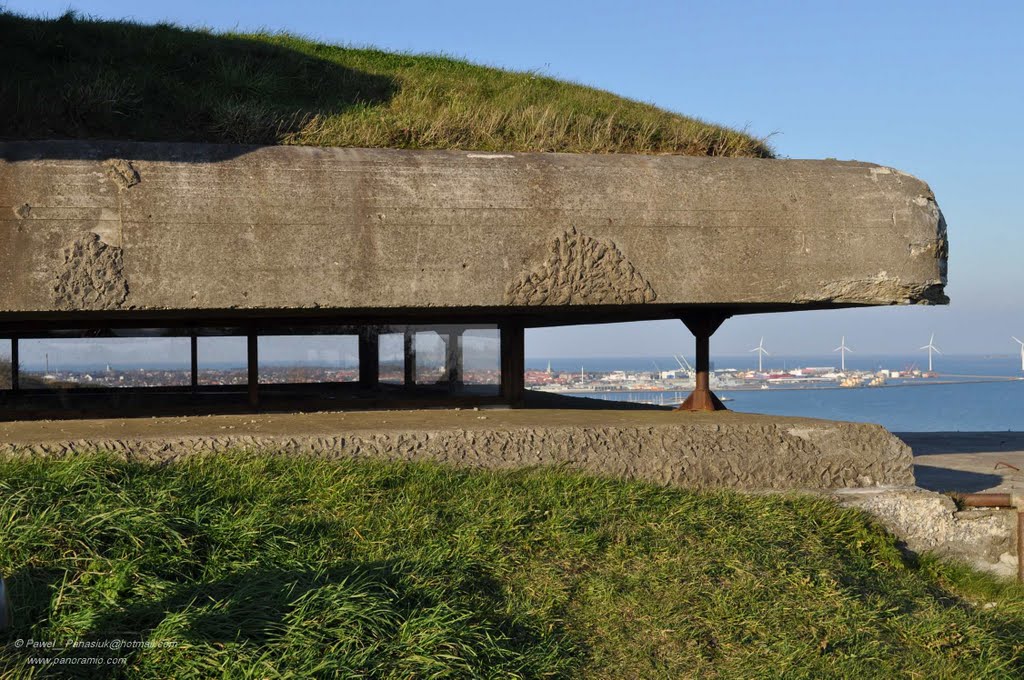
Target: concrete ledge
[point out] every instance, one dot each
(733, 450)
(119, 227)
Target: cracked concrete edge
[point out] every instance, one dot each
(929, 522)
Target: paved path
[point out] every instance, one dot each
(969, 462)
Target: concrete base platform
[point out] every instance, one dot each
(696, 450)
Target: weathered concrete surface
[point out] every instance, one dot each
(208, 227)
(929, 522)
(693, 450)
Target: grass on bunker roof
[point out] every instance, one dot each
(256, 565)
(73, 77)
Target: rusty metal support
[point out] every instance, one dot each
(15, 368)
(513, 363)
(369, 357)
(194, 351)
(703, 325)
(453, 358)
(985, 500)
(1001, 500)
(409, 352)
(253, 362)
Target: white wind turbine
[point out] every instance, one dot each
(931, 348)
(761, 352)
(843, 349)
(1021, 352)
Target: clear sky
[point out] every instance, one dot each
(932, 88)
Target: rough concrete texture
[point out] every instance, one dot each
(581, 270)
(929, 522)
(210, 227)
(90, 277)
(728, 450)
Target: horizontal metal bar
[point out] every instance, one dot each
(986, 500)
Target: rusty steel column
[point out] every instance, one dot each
(15, 369)
(409, 351)
(703, 325)
(513, 363)
(453, 358)
(252, 353)
(194, 348)
(369, 357)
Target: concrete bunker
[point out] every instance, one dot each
(118, 239)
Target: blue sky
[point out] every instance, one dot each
(935, 89)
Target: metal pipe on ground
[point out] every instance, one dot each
(1001, 500)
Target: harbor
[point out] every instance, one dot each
(671, 387)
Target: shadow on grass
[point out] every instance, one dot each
(371, 616)
(31, 592)
(118, 80)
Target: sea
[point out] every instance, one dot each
(974, 405)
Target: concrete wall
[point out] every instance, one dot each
(793, 454)
(135, 226)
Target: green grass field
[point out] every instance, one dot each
(76, 78)
(260, 566)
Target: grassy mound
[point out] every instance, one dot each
(262, 566)
(75, 78)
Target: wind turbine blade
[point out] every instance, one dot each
(937, 350)
(1018, 341)
(925, 347)
(837, 349)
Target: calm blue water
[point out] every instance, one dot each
(996, 406)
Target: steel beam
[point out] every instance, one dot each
(15, 368)
(194, 352)
(409, 352)
(369, 357)
(703, 325)
(513, 363)
(252, 347)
